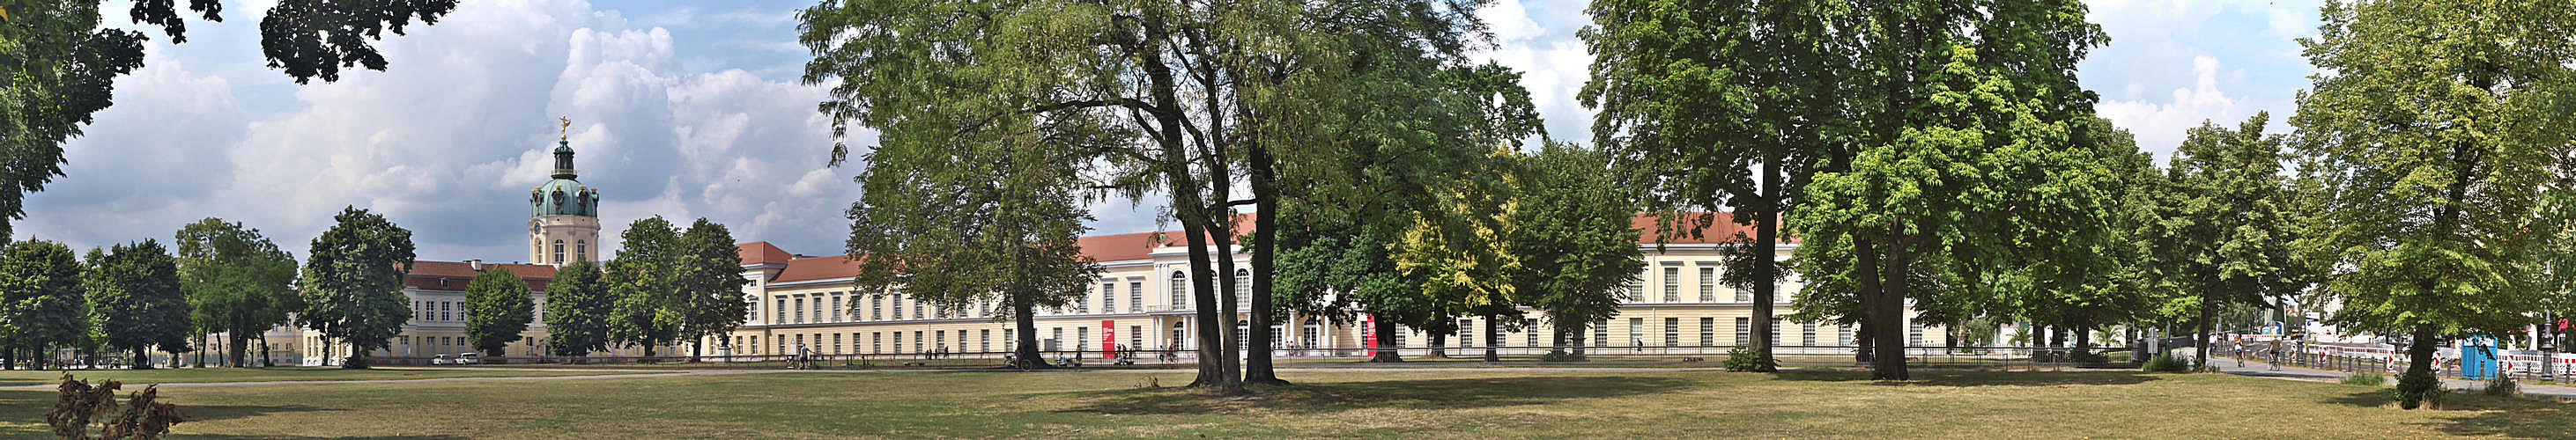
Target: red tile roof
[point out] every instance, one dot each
(1720, 228)
(818, 268)
(454, 275)
(761, 252)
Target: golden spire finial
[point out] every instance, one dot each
(566, 134)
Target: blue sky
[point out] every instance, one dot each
(694, 109)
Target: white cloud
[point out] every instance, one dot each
(447, 142)
(2159, 127)
(1553, 67)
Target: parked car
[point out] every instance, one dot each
(441, 360)
(469, 358)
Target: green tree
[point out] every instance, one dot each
(352, 284)
(2226, 227)
(1732, 112)
(710, 281)
(42, 303)
(2435, 126)
(960, 215)
(1172, 73)
(1962, 121)
(65, 64)
(1572, 232)
(240, 283)
(646, 312)
(578, 305)
(497, 310)
(136, 301)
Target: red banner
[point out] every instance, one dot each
(1108, 339)
(1368, 333)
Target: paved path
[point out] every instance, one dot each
(2260, 369)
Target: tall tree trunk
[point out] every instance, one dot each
(1439, 344)
(1891, 310)
(1265, 222)
(2200, 330)
(1025, 343)
(1231, 365)
(2419, 370)
(1872, 323)
(142, 359)
(1187, 204)
(1493, 337)
(1766, 271)
(265, 360)
(1385, 337)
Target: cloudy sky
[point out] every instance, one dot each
(694, 109)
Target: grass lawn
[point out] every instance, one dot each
(1356, 403)
(138, 378)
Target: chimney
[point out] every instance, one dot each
(476, 264)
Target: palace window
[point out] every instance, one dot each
(1843, 335)
(1180, 290)
(1135, 296)
(1672, 283)
(916, 312)
(1636, 332)
(800, 309)
(1242, 288)
(782, 308)
(898, 342)
(1672, 332)
(836, 306)
(1807, 334)
(876, 307)
(876, 343)
(559, 252)
(1707, 332)
(581, 249)
(1466, 333)
(984, 340)
(818, 309)
(897, 304)
(1600, 332)
(1108, 297)
(1707, 284)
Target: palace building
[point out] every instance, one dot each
(1141, 301)
(563, 227)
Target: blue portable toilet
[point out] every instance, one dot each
(2478, 357)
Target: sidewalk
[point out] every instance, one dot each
(2259, 369)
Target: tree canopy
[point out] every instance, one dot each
(497, 311)
(2435, 126)
(135, 299)
(42, 299)
(578, 306)
(352, 283)
(240, 283)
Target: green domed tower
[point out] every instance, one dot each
(563, 224)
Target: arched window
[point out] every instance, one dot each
(558, 252)
(581, 249)
(1242, 288)
(1180, 290)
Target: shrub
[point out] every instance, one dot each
(1745, 359)
(1560, 355)
(2503, 386)
(2167, 363)
(2366, 379)
(2416, 387)
(144, 416)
